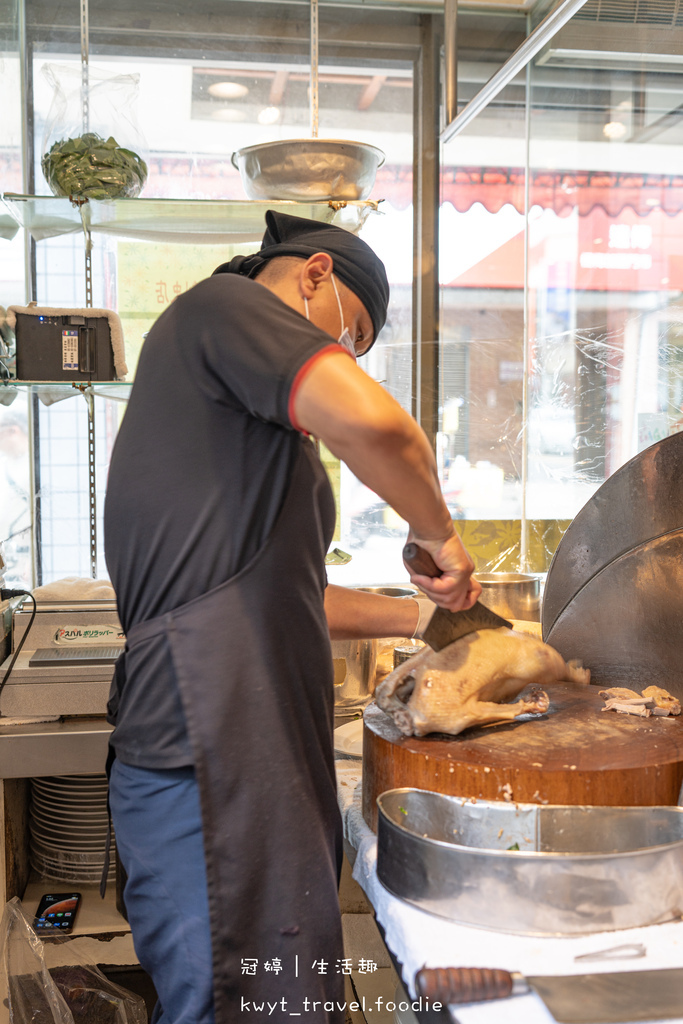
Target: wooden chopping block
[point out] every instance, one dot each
(573, 754)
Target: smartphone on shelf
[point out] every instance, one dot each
(56, 913)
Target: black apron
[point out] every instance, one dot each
(253, 665)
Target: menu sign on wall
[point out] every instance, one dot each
(151, 275)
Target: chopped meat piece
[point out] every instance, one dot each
(627, 702)
(467, 683)
(629, 706)
(621, 693)
(662, 700)
(628, 709)
(653, 701)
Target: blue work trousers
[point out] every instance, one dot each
(158, 829)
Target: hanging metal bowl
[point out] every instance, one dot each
(308, 170)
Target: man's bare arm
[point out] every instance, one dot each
(358, 615)
(390, 453)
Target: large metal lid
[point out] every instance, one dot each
(614, 593)
(641, 501)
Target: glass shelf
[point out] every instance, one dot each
(50, 391)
(169, 220)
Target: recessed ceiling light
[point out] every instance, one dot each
(614, 130)
(228, 90)
(228, 114)
(269, 115)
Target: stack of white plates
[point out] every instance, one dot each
(69, 826)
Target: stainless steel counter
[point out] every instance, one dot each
(69, 747)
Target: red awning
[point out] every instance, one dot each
(562, 191)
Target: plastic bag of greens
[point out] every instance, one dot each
(93, 149)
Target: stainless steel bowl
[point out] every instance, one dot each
(528, 869)
(308, 170)
(514, 595)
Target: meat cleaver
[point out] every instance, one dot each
(612, 998)
(445, 627)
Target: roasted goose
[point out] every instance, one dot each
(469, 682)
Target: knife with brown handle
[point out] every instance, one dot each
(445, 627)
(612, 997)
(467, 984)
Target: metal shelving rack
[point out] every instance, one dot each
(189, 221)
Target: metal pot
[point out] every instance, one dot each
(355, 661)
(514, 595)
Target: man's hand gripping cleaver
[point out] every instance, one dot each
(445, 627)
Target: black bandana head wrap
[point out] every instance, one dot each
(354, 261)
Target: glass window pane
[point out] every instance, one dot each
(481, 347)
(571, 365)
(603, 249)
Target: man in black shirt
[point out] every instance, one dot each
(217, 520)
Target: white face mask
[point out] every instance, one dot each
(344, 338)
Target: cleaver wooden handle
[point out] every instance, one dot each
(420, 561)
(463, 984)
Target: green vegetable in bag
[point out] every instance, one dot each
(94, 168)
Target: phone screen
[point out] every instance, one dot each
(56, 912)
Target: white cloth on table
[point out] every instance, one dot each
(75, 588)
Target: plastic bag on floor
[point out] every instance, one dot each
(73, 993)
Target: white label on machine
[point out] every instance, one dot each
(70, 350)
(73, 635)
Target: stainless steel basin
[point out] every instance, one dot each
(529, 869)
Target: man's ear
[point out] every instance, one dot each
(316, 271)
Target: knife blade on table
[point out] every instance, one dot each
(445, 627)
(610, 998)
